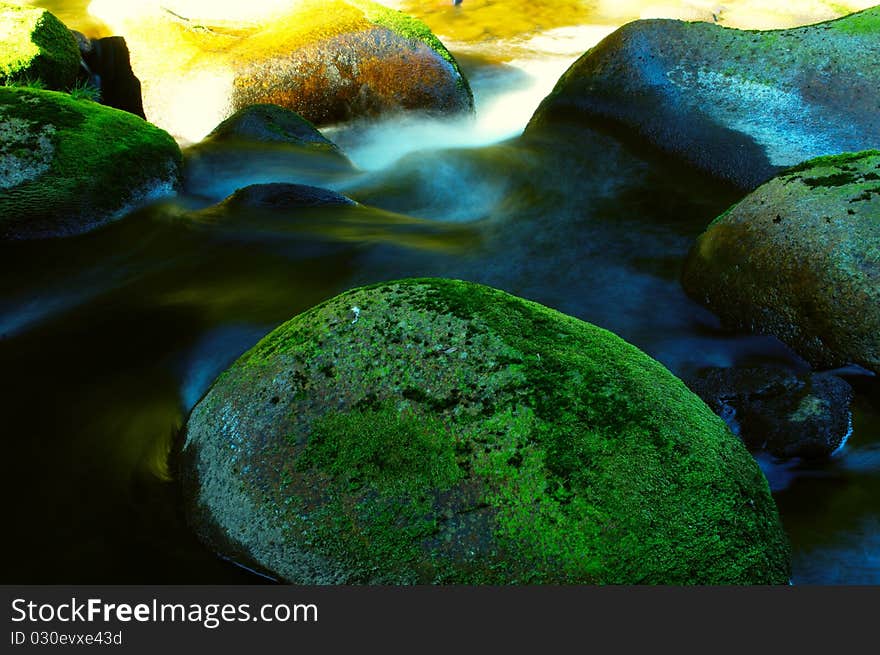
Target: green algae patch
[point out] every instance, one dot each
(35, 45)
(437, 431)
(69, 165)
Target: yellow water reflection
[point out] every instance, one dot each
(73, 13)
(213, 12)
(477, 21)
(509, 30)
(481, 20)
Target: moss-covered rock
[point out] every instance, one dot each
(437, 431)
(799, 258)
(258, 145)
(328, 61)
(35, 45)
(742, 105)
(68, 166)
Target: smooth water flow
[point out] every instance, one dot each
(506, 95)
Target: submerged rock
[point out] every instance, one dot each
(262, 144)
(279, 196)
(68, 166)
(787, 415)
(436, 431)
(799, 258)
(328, 61)
(272, 124)
(741, 105)
(36, 46)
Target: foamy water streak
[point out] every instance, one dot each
(505, 94)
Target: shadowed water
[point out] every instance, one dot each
(107, 340)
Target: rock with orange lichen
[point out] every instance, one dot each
(328, 61)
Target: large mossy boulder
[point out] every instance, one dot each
(258, 145)
(799, 258)
(742, 105)
(68, 166)
(437, 431)
(328, 61)
(35, 45)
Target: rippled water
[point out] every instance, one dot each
(107, 340)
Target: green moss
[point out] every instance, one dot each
(18, 50)
(384, 467)
(866, 195)
(541, 513)
(835, 179)
(863, 23)
(831, 161)
(392, 451)
(583, 412)
(35, 44)
(809, 408)
(855, 171)
(101, 156)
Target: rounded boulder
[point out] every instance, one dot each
(799, 258)
(68, 166)
(438, 431)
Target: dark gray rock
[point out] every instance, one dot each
(262, 144)
(285, 196)
(271, 124)
(741, 105)
(776, 411)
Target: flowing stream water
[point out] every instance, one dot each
(108, 340)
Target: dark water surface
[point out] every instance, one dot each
(107, 340)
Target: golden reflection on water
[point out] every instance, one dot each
(481, 20)
(357, 224)
(476, 21)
